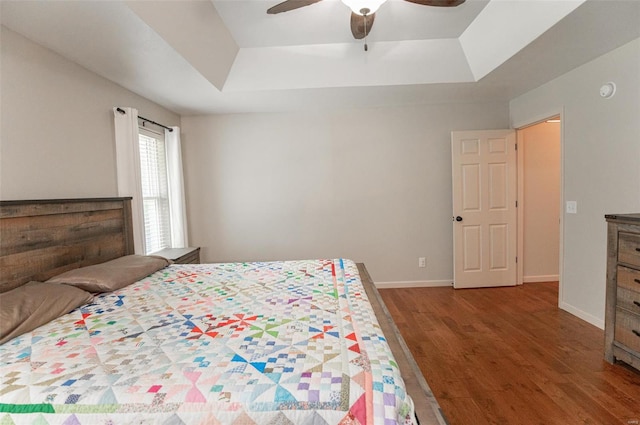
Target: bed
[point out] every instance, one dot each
(287, 342)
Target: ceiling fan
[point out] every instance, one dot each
(362, 11)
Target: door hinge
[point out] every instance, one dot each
(516, 260)
(516, 146)
(516, 204)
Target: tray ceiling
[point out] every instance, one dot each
(202, 56)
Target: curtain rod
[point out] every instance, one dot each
(122, 111)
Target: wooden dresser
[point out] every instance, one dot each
(622, 314)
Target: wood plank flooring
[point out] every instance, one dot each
(511, 356)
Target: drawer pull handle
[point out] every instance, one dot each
(636, 280)
(637, 303)
(638, 249)
(636, 332)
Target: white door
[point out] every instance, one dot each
(484, 208)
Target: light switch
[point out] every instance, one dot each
(572, 207)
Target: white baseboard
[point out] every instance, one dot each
(414, 284)
(541, 278)
(582, 315)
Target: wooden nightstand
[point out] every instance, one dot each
(181, 255)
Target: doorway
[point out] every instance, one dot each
(540, 198)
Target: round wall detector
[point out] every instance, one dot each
(608, 90)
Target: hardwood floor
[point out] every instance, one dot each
(510, 356)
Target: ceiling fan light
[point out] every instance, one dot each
(356, 6)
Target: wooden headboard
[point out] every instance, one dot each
(42, 238)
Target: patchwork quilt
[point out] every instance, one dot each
(292, 342)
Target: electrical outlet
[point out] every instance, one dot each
(572, 207)
(422, 262)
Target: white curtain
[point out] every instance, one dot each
(177, 207)
(128, 169)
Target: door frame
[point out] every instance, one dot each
(520, 196)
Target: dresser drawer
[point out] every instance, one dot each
(627, 331)
(629, 300)
(628, 278)
(629, 248)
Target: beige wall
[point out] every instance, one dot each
(56, 137)
(541, 202)
(601, 169)
(373, 185)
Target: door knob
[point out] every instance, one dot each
(458, 218)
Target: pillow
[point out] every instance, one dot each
(32, 305)
(112, 275)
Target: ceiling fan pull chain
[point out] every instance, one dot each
(366, 48)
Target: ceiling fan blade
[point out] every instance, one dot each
(288, 5)
(358, 25)
(439, 3)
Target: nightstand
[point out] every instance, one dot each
(181, 255)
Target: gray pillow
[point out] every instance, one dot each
(29, 306)
(112, 275)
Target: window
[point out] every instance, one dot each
(155, 191)
(149, 170)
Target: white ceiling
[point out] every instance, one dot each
(220, 56)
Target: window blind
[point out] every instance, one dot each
(155, 192)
